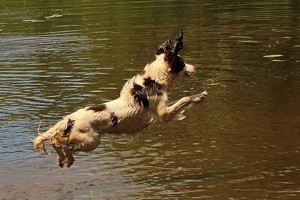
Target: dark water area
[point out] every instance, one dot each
(242, 143)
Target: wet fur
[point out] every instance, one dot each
(143, 99)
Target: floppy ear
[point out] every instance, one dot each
(179, 43)
(167, 46)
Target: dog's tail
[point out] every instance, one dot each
(61, 128)
(38, 142)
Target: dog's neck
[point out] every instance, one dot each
(156, 78)
(140, 84)
(158, 72)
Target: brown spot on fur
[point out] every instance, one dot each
(152, 87)
(140, 95)
(70, 124)
(176, 62)
(97, 108)
(114, 119)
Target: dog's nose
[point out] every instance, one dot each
(190, 69)
(193, 67)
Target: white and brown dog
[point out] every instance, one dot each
(143, 99)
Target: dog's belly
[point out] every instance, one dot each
(116, 118)
(129, 125)
(128, 116)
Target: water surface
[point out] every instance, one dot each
(242, 143)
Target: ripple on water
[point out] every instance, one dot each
(36, 81)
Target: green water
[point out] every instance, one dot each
(242, 143)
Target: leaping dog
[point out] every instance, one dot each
(143, 99)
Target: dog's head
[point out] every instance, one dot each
(169, 52)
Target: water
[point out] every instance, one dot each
(243, 143)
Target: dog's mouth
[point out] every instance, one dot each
(187, 73)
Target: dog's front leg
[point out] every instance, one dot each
(167, 113)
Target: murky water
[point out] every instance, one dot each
(243, 143)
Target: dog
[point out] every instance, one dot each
(143, 99)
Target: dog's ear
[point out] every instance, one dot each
(167, 46)
(179, 43)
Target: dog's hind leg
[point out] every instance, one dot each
(68, 149)
(61, 156)
(167, 113)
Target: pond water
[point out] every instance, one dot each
(242, 143)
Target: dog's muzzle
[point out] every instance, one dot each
(189, 70)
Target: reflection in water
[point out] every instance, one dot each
(243, 143)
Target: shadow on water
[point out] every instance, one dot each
(242, 143)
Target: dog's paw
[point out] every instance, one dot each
(198, 98)
(180, 116)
